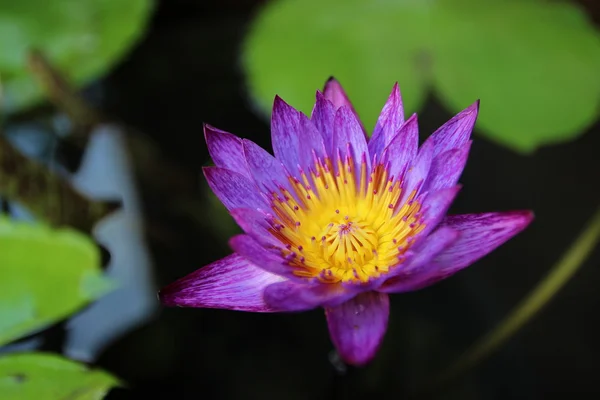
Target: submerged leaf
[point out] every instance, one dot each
(534, 65)
(49, 376)
(45, 275)
(82, 38)
(297, 44)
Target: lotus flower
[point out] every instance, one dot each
(339, 221)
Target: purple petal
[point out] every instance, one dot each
(435, 205)
(257, 224)
(322, 116)
(225, 149)
(414, 270)
(231, 283)
(418, 173)
(335, 93)
(294, 137)
(357, 326)
(234, 189)
(293, 296)
(389, 122)
(456, 132)
(311, 144)
(447, 167)
(402, 150)
(479, 235)
(348, 135)
(270, 261)
(269, 173)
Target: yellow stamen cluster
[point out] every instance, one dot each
(340, 227)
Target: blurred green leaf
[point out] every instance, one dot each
(295, 45)
(45, 275)
(83, 38)
(33, 376)
(534, 64)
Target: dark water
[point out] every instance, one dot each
(186, 72)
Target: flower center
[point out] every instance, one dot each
(347, 243)
(338, 226)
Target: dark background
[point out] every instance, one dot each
(185, 72)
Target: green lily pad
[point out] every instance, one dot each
(534, 65)
(51, 377)
(295, 45)
(82, 38)
(45, 275)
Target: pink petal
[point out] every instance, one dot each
(357, 326)
(389, 122)
(419, 171)
(479, 235)
(233, 189)
(435, 205)
(447, 167)
(402, 150)
(294, 137)
(348, 138)
(295, 296)
(417, 268)
(335, 93)
(269, 173)
(231, 283)
(456, 132)
(257, 225)
(225, 149)
(255, 253)
(322, 116)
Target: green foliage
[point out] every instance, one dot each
(33, 376)
(83, 38)
(295, 45)
(45, 275)
(533, 64)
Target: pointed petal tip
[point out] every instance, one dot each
(207, 170)
(163, 297)
(519, 218)
(277, 100)
(207, 129)
(414, 117)
(231, 283)
(526, 216)
(475, 106)
(332, 84)
(169, 296)
(212, 132)
(283, 107)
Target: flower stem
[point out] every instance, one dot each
(558, 276)
(45, 193)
